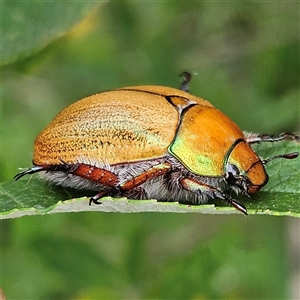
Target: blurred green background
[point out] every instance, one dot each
(245, 60)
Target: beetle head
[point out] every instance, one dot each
(249, 181)
(245, 171)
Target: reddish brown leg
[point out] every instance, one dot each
(111, 180)
(101, 176)
(151, 173)
(96, 174)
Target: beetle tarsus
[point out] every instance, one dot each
(94, 201)
(95, 198)
(239, 206)
(236, 204)
(31, 170)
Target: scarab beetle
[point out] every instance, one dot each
(151, 142)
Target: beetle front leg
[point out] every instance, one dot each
(197, 187)
(259, 138)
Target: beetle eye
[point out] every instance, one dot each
(232, 173)
(232, 170)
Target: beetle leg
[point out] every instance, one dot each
(151, 173)
(102, 176)
(47, 168)
(95, 198)
(32, 170)
(202, 188)
(258, 138)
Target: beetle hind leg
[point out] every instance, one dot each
(35, 169)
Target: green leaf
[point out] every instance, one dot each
(29, 26)
(281, 196)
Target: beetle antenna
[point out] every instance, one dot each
(286, 156)
(184, 85)
(267, 160)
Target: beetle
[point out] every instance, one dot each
(151, 142)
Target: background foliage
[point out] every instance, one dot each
(246, 56)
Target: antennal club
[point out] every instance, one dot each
(286, 156)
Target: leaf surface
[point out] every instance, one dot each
(29, 26)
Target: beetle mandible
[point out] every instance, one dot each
(151, 142)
